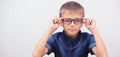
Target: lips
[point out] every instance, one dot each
(72, 30)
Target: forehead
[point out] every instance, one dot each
(71, 15)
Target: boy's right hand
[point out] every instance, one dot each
(55, 22)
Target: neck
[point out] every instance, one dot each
(72, 36)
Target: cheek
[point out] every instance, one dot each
(80, 25)
(65, 26)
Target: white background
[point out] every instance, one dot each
(22, 22)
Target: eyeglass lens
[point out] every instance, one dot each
(69, 20)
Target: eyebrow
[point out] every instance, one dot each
(73, 18)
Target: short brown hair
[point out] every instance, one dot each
(71, 6)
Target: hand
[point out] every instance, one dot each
(55, 22)
(89, 23)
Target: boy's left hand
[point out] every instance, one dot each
(89, 23)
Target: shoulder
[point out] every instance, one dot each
(89, 38)
(56, 35)
(87, 35)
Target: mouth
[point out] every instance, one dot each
(72, 30)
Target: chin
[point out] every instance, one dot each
(72, 33)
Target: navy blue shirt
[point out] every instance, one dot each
(64, 46)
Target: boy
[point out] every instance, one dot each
(71, 42)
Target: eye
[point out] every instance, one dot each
(77, 20)
(67, 20)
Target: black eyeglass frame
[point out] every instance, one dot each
(68, 21)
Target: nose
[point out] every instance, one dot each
(72, 23)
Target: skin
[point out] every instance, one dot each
(99, 50)
(72, 29)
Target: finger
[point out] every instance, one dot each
(84, 20)
(93, 21)
(59, 21)
(56, 20)
(88, 22)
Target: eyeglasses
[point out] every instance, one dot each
(68, 21)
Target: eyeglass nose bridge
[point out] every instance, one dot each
(72, 20)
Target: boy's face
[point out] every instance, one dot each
(72, 23)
